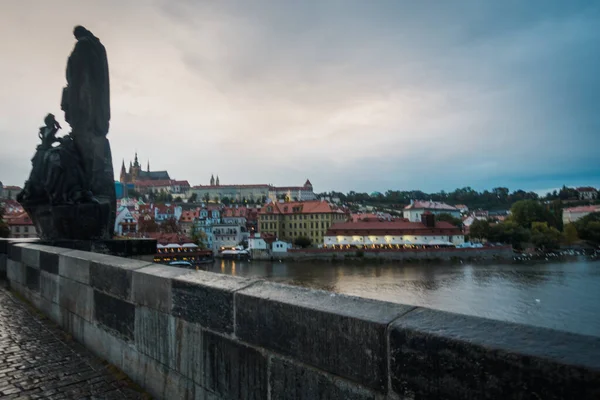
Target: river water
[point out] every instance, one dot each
(560, 295)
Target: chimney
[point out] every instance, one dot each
(428, 219)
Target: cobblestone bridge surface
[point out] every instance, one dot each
(38, 360)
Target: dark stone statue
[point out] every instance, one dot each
(70, 193)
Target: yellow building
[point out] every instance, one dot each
(290, 220)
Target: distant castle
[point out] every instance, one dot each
(136, 174)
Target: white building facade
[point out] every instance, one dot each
(416, 209)
(395, 234)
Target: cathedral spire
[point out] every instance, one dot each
(136, 162)
(212, 180)
(148, 168)
(217, 182)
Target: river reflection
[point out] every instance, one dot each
(563, 296)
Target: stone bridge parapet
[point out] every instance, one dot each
(190, 334)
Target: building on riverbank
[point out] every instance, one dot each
(393, 234)
(291, 220)
(416, 209)
(253, 193)
(573, 214)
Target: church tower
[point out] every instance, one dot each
(212, 180)
(123, 175)
(217, 183)
(136, 168)
(148, 167)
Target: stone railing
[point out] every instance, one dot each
(196, 335)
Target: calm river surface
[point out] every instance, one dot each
(564, 296)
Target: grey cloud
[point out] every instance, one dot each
(359, 95)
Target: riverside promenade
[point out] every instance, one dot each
(39, 361)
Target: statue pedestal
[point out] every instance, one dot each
(88, 221)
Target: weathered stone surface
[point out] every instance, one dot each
(32, 278)
(152, 286)
(291, 381)
(74, 325)
(115, 314)
(49, 262)
(52, 310)
(232, 369)
(442, 355)
(75, 265)
(217, 364)
(14, 251)
(38, 361)
(154, 335)
(15, 271)
(340, 334)
(71, 221)
(30, 256)
(104, 344)
(116, 247)
(49, 286)
(112, 275)
(206, 298)
(48, 256)
(76, 298)
(156, 378)
(3, 260)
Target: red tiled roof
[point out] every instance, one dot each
(21, 219)
(306, 207)
(582, 209)
(190, 215)
(290, 188)
(586, 189)
(180, 183)
(12, 188)
(235, 211)
(430, 205)
(168, 238)
(158, 183)
(262, 186)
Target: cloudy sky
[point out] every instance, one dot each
(355, 95)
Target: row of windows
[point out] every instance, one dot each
(25, 229)
(295, 225)
(296, 217)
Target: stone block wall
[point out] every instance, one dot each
(184, 334)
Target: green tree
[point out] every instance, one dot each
(193, 198)
(526, 212)
(570, 234)
(303, 242)
(509, 232)
(4, 229)
(178, 199)
(206, 198)
(449, 218)
(198, 237)
(170, 225)
(480, 229)
(147, 225)
(226, 200)
(545, 237)
(216, 199)
(589, 227)
(134, 194)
